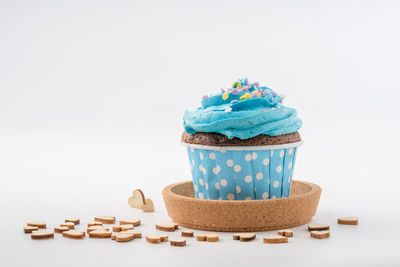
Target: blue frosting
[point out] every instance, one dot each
(244, 111)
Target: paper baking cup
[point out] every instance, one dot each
(242, 173)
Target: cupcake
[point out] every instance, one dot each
(242, 144)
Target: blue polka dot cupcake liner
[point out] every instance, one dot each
(242, 173)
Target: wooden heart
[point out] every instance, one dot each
(148, 205)
(137, 199)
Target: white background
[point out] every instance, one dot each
(92, 95)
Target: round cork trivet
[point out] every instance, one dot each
(238, 215)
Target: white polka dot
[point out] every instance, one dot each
(212, 155)
(272, 153)
(237, 168)
(201, 181)
(229, 162)
(201, 168)
(273, 197)
(206, 186)
(282, 153)
(291, 151)
(216, 169)
(254, 155)
(266, 161)
(196, 188)
(290, 165)
(265, 195)
(238, 189)
(230, 196)
(223, 150)
(259, 175)
(217, 186)
(248, 198)
(201, 156)
(276, 184)
(224, 182)
(248, 179)
(201, 195)
(192, 162)
(290, 177)
(247, 157)
(279, 168)
(192, 150)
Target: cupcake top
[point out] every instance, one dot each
(244, 111)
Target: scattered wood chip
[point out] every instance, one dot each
(348, 220)
(125, 237)
(148, 205)
(286, 232)
(126, 227)
(61, 229)
(275, 239)
(178, 243)
(247, 237)
(236, 236)
(41, 225)
(73, 220)
(74, 234)
(70, 225)
(168, 227)
(137, 199)
(134, 222)
(105, 219)
(100, 234)
(153, 239)
(201, 237)
(212, 237)
(187, 233)
(41, 235)
(95, 224)
(30, 229)
(317, 227)
(96, 227)
(320, 234)
(135, 232)
(176, 226)
(164, 238)
(117, 228)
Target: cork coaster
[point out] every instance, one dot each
(100, 234)
(286, 232)
(247, 237)
(134, 222)
(275, 239)
(124, 237)
(348, 220)
(153, 239)
(201, 237)
(212, 237)
(61, 229)
(317, 227)
(30, 229)
(41, 235)
(148, 205)
(97, 227)
(178, 243)
(70, 225)
(187, 233)
(167, 227)
(137, 199)
(74, 234)
(95, 224)
(320, 234)
(41, 225)
(164, 238)
(73, 220)
(105, 219)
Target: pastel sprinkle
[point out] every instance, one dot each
(225, 96)
(254, 94)
(245, 88)
(234, 101)
(245, 96)
(235, 91)
(204, 97)
(228, 109)
(273, 93)
(256, 84)
(222, 90)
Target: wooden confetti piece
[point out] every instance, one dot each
(317, 227)
(61, 229)
(74, 234)
(30, 229)
(96, 227)
(247, 237)
(212, 237)
(126, 227)
(137, 199)
(41, 235)
(135, 232)
(178, 243)
(236, 236)
(202, 237)
(348, 220)
(41, 225)
(100, 234)
(285, 232)
(148, 205)
(95, 224)
(187, 233)
(153, 239)
(117, 228)
(124, 237)
(164, 238)
(176, 226)
(320, 234)
(73, 220)
(168, 227)
(275, 239)
(105, 219)
(134, 222)
(70, 225)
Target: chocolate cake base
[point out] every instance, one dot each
(216, 139)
